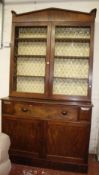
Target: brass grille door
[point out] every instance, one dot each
(71, 60)
(30, 58)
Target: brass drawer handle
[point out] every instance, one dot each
(64, 112)
(24, 110)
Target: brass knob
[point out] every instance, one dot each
(24, 109)
(64, 112)
(47, 62)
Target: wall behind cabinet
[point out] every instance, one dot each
(79, 5)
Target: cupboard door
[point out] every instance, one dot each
(31, 60)
(24, 135)
(67, 142)
(71, 57)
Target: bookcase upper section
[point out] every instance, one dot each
(52, 54)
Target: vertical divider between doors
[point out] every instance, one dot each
(47, 61)
(52, 59)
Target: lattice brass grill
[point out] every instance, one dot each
(72, 32)
(30, 58)
(30, 84)
(71, 67)
(71, 49)
(77, 68)
(32, 48)
(33, 32)
(31, 66)
(70, 86)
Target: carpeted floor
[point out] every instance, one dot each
(28, 170)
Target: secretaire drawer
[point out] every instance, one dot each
(47, 111)
(41, 110)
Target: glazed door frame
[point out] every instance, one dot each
(47, 57)
(90, 62)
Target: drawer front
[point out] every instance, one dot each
(7, 107)
(47, 111)
(85, 113)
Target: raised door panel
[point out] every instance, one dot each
(24, 135)
(67, 142)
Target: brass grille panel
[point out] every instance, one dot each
(70, 87)
(76, 68)
(72, 32)
(71, 49)
(32, 32)
(30, 84)
(70, 74)
(32, 48)
(30, 54)
(31, 66)
(71, 66)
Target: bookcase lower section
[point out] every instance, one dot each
(48, 134)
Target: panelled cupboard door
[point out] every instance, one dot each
(71, 60)
(30, 70)
(67, 142)
(24, 135)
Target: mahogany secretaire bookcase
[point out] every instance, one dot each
(48, 111)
